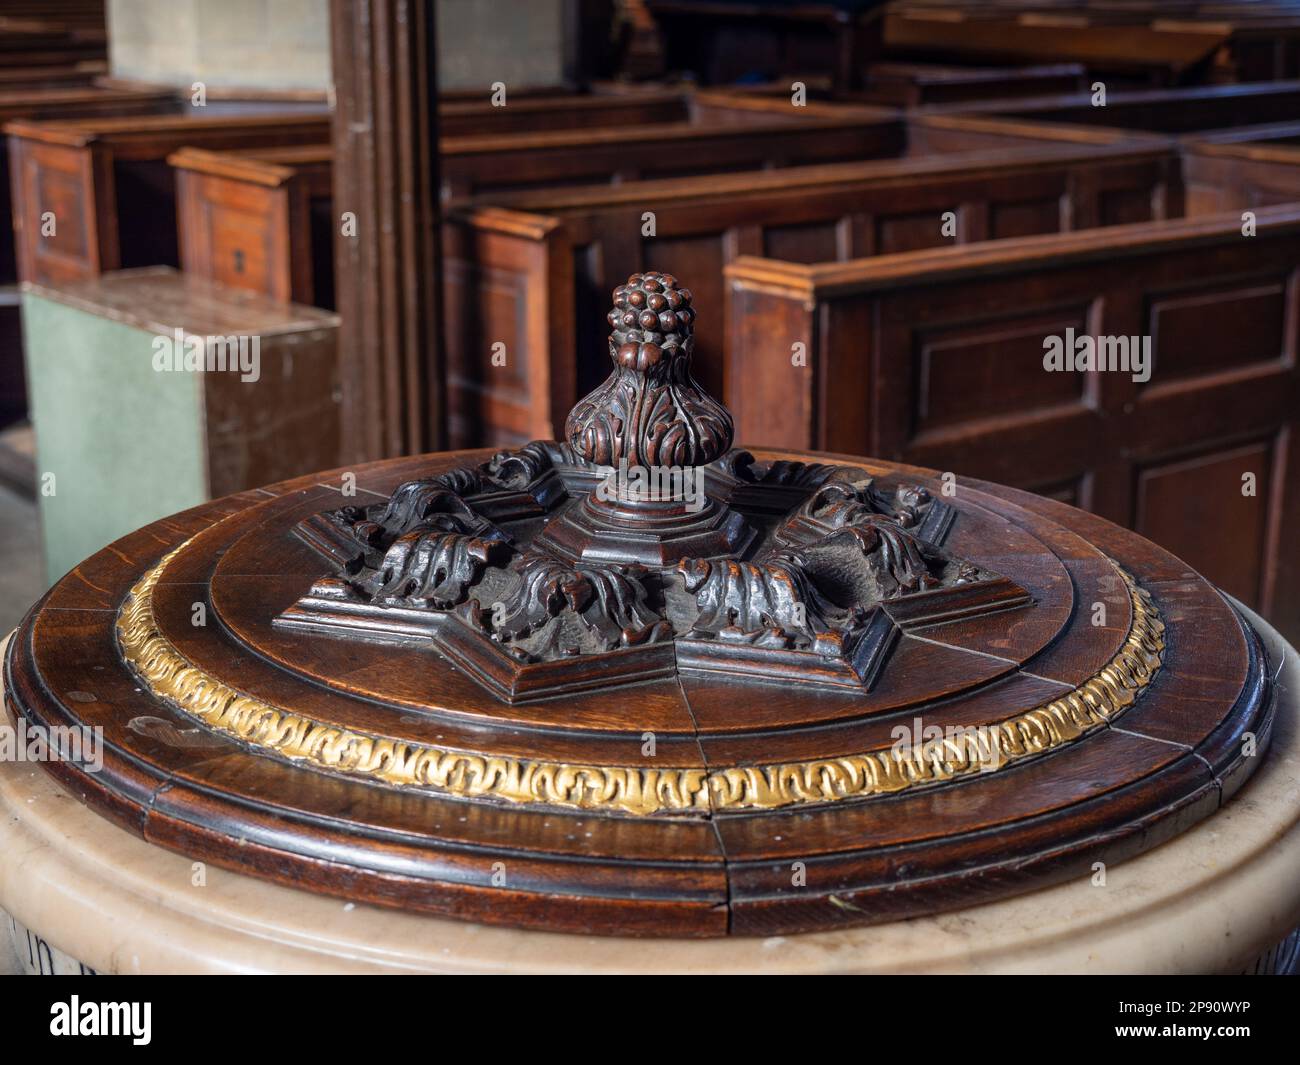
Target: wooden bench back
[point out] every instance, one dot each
(727, 132)
(936, 358)
(103, 179)
(1242, 169)
(534, 273)
(1154, 110)
(18, 101)
(535, 114)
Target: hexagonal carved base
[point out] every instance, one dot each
(655, 533)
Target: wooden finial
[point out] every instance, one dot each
(650, 412)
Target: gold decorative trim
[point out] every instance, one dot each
(170, 676)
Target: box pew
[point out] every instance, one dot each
(247, 220)
(259, 219)
(1131, 44)
(719, 43)
(106, 177)
(936, 357)
(49, 43)
(901, 84)
(1242, 169)
(239, 214)
(251, 217)
(535, 114)
(725, 133)
(1161, 42)
(43, 102)
(18, 100)
(534, 272)
(935, 133)
(81, 73)
(1170, 111)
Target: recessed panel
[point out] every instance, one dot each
(912, 232)
(1214, 329)
(1211, 510)
(984, 369)
(699, 258)
(813, 243)
(1024, 218)
(1122, 206)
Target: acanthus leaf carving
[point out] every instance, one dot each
(650, 412)
(539, 556)
(430, 565)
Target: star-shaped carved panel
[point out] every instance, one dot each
(830, 569)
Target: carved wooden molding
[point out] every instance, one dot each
(638, 790)
(774, 572)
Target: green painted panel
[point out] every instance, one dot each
(123, 442)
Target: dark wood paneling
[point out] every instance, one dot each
(1224, 324)
(844, 211)
(1198, 507)
(1025, 218)
(952, 343)
(810, 242)
(107, 177)
(991, 368)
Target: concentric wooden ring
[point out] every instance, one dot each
(726, 842)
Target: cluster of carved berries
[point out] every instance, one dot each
(653, 304)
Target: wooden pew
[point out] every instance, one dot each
(931, 131)
(247, 215)
(900, 84)
(726, 132)
(104, 178)
(246, 220)
(40, 102)
(83, 72)
(40, 42)
(1242, 169)
(896, 83)
(260, 220)
(936, 357)
(243, 230)
(719, 43)
(535, 114)
(534, 272)
(1176, 111)
(1163, 42)
(1132, 44)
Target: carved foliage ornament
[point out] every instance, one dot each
(535, 558)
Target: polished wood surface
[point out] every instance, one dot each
(109, 186)
(726, 132)
(562, 250)
(1154, 110)
(943, 350)
(1242, 169)
(1177, 757)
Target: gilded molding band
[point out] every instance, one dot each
(170, 676)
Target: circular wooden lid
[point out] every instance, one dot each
(641, 682)
(1015, 691)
